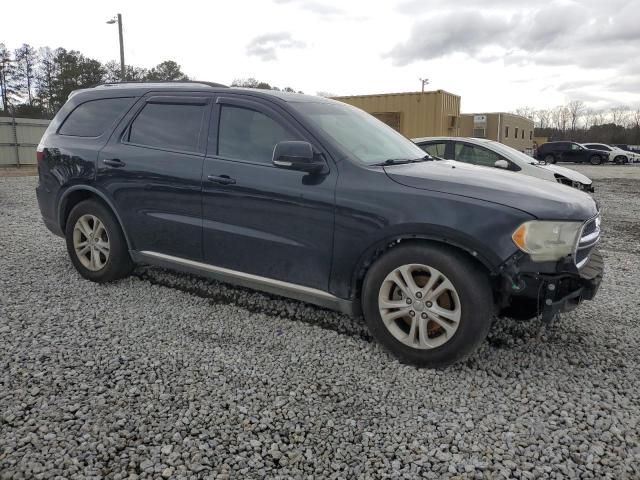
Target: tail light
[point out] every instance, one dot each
(39, 153)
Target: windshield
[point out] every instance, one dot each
(363, 136)
(513, 154)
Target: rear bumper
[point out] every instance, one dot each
(47, 209)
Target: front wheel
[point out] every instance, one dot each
(429, 305)
(96, 244)
(595, 160)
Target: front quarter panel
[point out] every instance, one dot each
(372, 211)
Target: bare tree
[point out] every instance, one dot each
(619, 115)
(560, 118)
(543, 118)
(575, 110)
(527, 112)
(26, 60)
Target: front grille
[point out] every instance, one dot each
(589, 237)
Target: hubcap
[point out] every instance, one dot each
(419, 306)
(91, 242)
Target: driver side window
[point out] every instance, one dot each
(575, 146)
(434, 149)
(249, 135)
(476, 155)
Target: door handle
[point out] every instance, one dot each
(221, 179)
(113, 162)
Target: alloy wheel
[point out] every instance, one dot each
(91, 242)
(419, 306)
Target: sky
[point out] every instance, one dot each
(498, 55)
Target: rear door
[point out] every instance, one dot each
(258, 218)
(152, 170)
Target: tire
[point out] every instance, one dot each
(595, 160)
(620, 159)
(473, 297)
(92, 226)
(550, 158)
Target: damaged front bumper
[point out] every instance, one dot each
(532, 290)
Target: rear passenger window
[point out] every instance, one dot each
(168, 126)
(91, 119)
(249, 135)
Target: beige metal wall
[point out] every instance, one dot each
(19, 138)
(421, 114)
(497, 125)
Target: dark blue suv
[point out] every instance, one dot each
(315, 200)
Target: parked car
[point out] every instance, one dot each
(552, 152)
(488, 153)
(616, 154)
(316, 200)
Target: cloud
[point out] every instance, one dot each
(590, 34)
(319, 8)
(266, 46)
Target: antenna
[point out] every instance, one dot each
(424, 81)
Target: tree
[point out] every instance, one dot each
(166, 71)
(44, 79)
(560, 118)
(527, 112)
(7, 78)
(575, 110)
(619, 115)
(542, 117)
(26, 60)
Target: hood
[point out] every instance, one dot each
(567, 172)
(540, 198)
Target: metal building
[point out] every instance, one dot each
(414, 114)
(508, 128)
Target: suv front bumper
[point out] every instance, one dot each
(545, 295)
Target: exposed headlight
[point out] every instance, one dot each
(547, 241)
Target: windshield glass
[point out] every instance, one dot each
(513, 154)
(365, 137)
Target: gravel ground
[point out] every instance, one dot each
(168, 375)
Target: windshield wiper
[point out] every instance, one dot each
(401, 161)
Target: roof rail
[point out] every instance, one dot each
(139, 82)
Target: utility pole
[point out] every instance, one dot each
(118, 19)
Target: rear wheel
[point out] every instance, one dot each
(550, 159)
(96, 244)
(427, 304)
(595, 160)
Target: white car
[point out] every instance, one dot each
(480, 151)
(616, 154)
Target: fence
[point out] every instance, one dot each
(19, 138)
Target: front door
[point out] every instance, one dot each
(152, 170)
(258, 218)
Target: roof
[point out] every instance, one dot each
(204, 86)
(430, 92)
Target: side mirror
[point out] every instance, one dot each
(501, 164)
(297, 155)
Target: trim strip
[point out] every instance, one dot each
(270, 285)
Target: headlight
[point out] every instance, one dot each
(547, 241)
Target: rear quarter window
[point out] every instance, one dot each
(93, 118)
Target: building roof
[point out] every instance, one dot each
(430, 92)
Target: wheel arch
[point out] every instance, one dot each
(76, 194)
(488, 263)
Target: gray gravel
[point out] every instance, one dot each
(168, 375)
